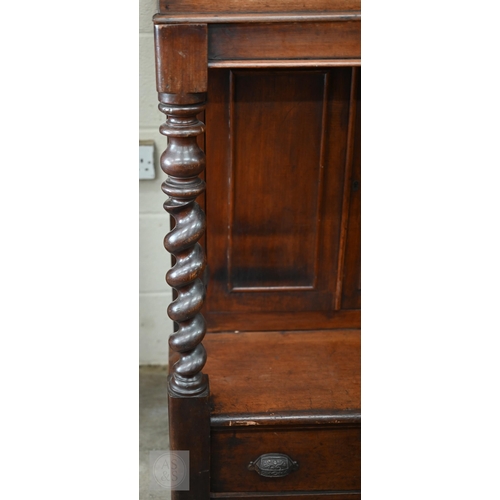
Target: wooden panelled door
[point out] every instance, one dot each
(283, 176)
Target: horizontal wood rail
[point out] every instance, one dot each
(257, 18)
(284, 63)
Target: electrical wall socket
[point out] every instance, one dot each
(146, 160)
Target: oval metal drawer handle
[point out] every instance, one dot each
(273, 465)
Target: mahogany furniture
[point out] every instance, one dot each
(267, 283)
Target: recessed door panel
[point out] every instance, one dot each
(274, 223)
(276, 145)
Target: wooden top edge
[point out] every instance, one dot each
(287, 419)
(283, 63)
(279, 17)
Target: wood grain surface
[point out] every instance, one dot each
(181, 58)
(275, 210)
(328, 459)
(296, 495)
(315, 40)
(282, 242)
(264, 372)
(254, 6)
(223, 321)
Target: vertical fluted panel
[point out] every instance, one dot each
(183, 161)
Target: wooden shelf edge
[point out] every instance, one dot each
(282, 17)
(288, 419)
(284, 63)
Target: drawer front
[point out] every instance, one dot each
(321, 459)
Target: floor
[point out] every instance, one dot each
(153, 430)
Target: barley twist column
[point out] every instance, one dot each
(181, 51)
(183, 161)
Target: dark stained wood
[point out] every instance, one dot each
(272, 372)
(295, 418)
(277, 163)
(191, 432)
(256, 17)
(188, 393)
(350, 201)
(181, 58)
(319, 495)
(264, 6)
(328, 458)
(272, 321)
(351, 286)
(284, 63)
(297, 495)
(183, 161)
(316, 40)
(276, 256)
(282, 242)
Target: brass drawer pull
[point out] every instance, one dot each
(273, 465)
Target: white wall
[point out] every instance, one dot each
(154, 293)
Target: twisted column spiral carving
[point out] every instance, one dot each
(183, 161)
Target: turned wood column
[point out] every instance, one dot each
(181, 65)
(183, 161)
